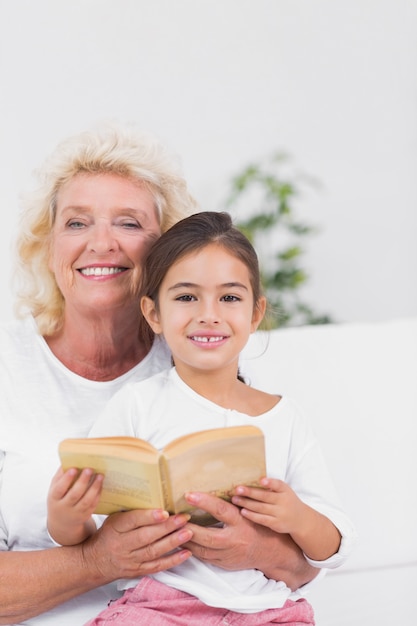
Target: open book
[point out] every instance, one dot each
(138, 476)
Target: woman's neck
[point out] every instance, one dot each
(98, 349)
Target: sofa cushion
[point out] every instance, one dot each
(357, 384)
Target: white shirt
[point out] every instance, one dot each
(163, 408)
(41, 403)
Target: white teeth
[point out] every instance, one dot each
(207, 339)
(100, 271)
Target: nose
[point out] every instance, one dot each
(209, 313)
(102, 239)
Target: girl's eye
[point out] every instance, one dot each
(230, 298)
(185, 298)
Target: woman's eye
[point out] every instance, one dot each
(131, 225)
(75, 224)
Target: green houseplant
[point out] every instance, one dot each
(262, 200)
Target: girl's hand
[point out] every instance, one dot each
(276, 506)
(72, 499)
(279, 508)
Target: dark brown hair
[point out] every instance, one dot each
(194, 233)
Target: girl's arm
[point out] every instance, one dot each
(279, 508)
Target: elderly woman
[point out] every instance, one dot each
(104, 197)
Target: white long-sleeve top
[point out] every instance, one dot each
(163, 408)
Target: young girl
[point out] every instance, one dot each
(201, 291)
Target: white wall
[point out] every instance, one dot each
(224, 82)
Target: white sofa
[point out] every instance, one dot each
(357, 383)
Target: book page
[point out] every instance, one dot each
(198, 438)
(131, 476)
(233, 457)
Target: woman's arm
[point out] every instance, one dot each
(128, 545)
(241, 544)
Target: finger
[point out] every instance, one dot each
(255, 505)
(263, 519)
(80, 486)
(267, 484)
(255, 495)
(140, 519)
(221, 510)
(208, 537)
(164, 562)
(274, 484)
(158, 548)
(91, 497)
(62, 482)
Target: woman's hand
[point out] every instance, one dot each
(241, 544)
(128, 545)
(137, 543)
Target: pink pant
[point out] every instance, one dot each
(151, 603)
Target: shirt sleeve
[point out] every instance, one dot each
(308, 474)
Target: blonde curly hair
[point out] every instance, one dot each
(110, 148)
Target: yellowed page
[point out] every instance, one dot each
(233, 457)
(131, 477)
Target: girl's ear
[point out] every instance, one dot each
(150, 314)
(258, 313)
